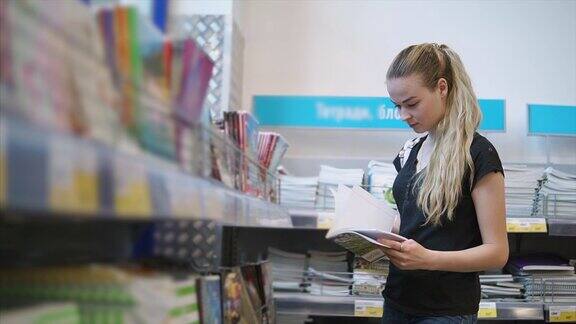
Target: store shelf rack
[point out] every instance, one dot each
(303, 303)
(319, 219)
(53, 173)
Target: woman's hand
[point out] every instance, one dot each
(408, 255)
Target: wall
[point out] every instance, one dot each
(524, 52)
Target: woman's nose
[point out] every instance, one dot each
(403, 115)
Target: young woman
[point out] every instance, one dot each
(449, 192)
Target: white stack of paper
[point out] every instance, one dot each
(521, 183)
(328, 261)
(495, 278)
(360, 220)
(558, 194)
(287, 269)
(380, 178)
(330, 178)
(499, 291)
(298, 192)
(329, 284)
(500, 286)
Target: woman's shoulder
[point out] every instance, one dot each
(481, 145)
(485, 158)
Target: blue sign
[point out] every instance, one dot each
(552, 120)
(493, 115)
(351, 112)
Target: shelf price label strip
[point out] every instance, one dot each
(368, 308)
(564, 314)
(526, 225)
(487, 310)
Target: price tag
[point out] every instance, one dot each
(368, 308)
(86, 179)
(526, 225)
(487, 310)
(132, 192)
(73, 177)
(562, 314)
(325, 220)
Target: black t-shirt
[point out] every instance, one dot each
(423, 292)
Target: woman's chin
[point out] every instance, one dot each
(418, 129)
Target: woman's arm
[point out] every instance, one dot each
(488, 197)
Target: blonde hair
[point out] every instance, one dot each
(441, 182)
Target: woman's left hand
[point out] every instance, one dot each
(408, 255)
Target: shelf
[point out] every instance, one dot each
(307, 304)
(51, 173)
(304, 218)
(313, 219)
(519, 311)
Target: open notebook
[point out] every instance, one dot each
(360, 221)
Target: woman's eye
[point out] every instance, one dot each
(412, 105)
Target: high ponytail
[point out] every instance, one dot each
(441, 181)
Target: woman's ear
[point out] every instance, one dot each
(443, 87)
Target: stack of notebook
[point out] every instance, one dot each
(328, 284)
(521, 183)
(242, 128)
(328, 261)
(271, 149)
(298, 192)
(500, 286)
(110, 76)
(558, 194)
(545, 277)
(330, 178)
(287, 269)
(370, 277)
(380, 178)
